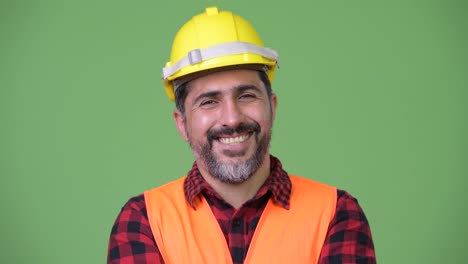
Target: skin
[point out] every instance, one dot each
(228, 99)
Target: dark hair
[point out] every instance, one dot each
(182, 91)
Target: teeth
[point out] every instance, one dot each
(233, 140)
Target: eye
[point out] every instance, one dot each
(208, 103)
(247, 97)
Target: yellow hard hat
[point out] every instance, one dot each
(215, 39)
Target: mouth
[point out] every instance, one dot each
(229, 136)
(234, 140)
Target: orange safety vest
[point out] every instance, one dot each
(187, 235)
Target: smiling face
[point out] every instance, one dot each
(228, 121)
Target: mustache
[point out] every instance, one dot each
(227, 131)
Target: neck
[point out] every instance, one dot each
(236, 194)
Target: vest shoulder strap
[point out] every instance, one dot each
(184, 234)
(298, 233)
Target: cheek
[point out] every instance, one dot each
(266, 120)
(199, 125)
(266, 115)
(261, 115)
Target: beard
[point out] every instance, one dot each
(234, 171)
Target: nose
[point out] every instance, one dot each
(231, 114)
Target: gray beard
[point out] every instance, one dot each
(235, 172)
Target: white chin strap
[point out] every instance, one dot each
(223, 49)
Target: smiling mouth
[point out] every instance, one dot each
(234, 140)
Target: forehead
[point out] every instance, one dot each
(225, 81)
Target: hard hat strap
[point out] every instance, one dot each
(223, 49)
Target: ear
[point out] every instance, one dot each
(274, 103)
(179, 120)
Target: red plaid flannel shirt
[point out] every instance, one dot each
(349, 238)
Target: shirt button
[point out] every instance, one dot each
(236, 223)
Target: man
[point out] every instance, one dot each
(236, 204)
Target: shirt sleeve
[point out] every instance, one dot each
(349, 238)
(131, 240)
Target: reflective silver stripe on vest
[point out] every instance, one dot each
(224, 49)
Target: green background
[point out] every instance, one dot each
(372, 99)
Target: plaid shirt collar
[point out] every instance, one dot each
(278, 184)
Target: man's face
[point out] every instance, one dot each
(228, 121)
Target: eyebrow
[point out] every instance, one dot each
(237, 89)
